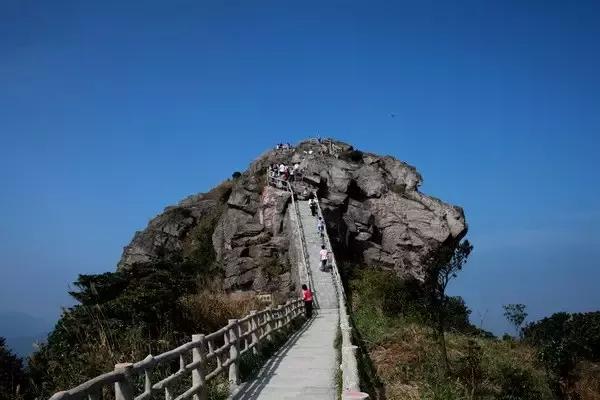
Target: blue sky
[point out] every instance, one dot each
(109, 111)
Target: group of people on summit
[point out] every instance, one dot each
(283, 171)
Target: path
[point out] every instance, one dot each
(305, 368)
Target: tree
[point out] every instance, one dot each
(236, 175)
(12, 375)
(562, 341)
(445, 266)
(515, 314)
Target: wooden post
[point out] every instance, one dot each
(254, 323)
(234, 367)
(147, 381)
(223, 357)
(279, 317)
(269, 323)
(168, 393)
(211, 348)
(124, 388)
(247, 338)
(199, 354)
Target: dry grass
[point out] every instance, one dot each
(211, 308)
(588, 386)
(408, 362)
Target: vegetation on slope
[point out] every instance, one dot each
(125, 315)
(402, 357)
(396, 331)
(13, 380)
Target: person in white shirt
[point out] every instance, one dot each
(324, 256)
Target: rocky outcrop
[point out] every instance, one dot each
(164, 237)
(374, 211)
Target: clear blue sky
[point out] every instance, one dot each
(111, 110)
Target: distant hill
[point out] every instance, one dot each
(23, 346)
(21, 330)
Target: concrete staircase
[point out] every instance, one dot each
(305, 368)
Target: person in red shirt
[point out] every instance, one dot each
(307, 296)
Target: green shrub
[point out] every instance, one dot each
(563, 340)
(517, 384)
(273, 267)
(128, 314)
(442, 390)
(399, 189)
(13, 380)
(384, 292)
(352, 155)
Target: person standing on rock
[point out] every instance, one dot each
(307, 296)
(324, 256)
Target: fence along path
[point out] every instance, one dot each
(305, 367)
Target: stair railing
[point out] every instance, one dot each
(305, 273)
(204, 358)
(349, 365)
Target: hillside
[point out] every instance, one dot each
(201, 261)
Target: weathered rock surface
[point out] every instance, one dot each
(374, 211)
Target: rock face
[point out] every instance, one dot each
(373, 209)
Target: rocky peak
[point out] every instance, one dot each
(372, 205)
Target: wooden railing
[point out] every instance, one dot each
(349, 365)
(211, 356)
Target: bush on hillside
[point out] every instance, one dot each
(401, 349)
(13, 380)
(384, 292)
(517, 384)
(128, 314)
(211, 308)
(563, 340)
(352, 155)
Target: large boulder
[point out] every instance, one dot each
(374, 210)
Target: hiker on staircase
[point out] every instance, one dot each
(312, 203)
(307, 296)
(324, 257)
(321, 227)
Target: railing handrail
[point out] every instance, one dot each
(239, 336)
(349, 365)
(306, 270)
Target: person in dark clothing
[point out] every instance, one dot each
(313, 207)
(307, 296)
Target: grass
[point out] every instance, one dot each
(408, 364)
(211, 308)
(338, 377)
(400, 358)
